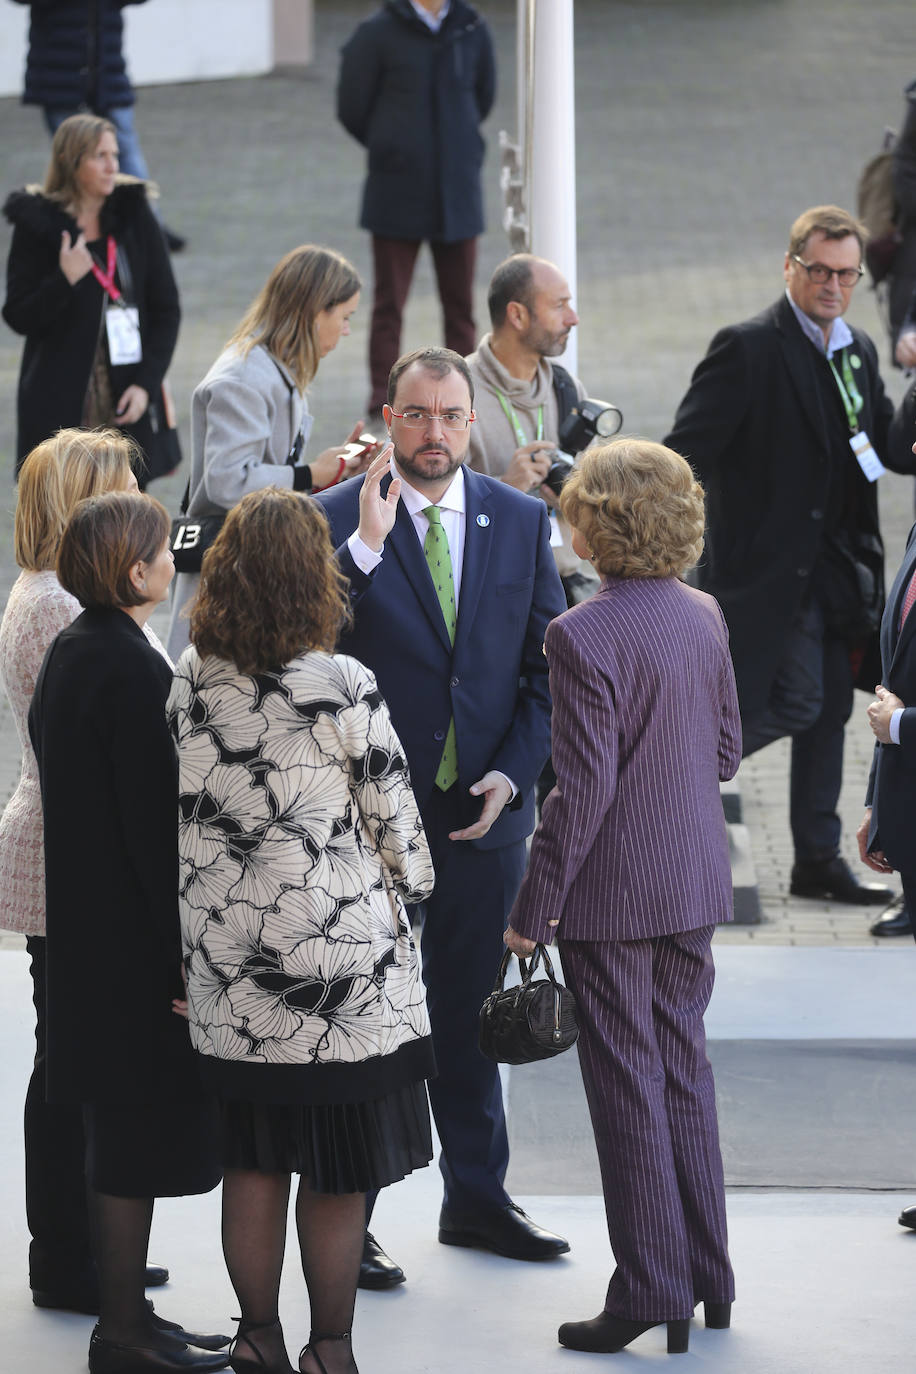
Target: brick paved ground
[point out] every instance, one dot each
(703, 129)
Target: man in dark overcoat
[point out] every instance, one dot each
(416, 82)
(787, 425)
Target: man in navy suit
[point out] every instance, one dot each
(452, 585)
(887, 834)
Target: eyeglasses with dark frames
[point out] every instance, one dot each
(820, 273)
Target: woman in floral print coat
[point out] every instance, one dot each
(300, 844)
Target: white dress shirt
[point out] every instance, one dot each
(840, 333)
(432, 21)
(452, 507)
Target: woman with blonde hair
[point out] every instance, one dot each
(630, 872)
(300, 845)
(55, 477)
(90, 286)
(250, 420)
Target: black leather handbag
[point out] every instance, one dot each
(191, 537)
(536, 1020)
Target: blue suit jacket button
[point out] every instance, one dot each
(440, 734)
(454, 682)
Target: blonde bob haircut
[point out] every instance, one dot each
(62, 470)
(639, 508)
(283, 316)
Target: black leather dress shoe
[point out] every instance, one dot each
(895, 921)
(908, 1218)
(505, 1230)
(108, 1357)
(178, 1333)
(834, 880)
(376, 1269)
(81, 1294)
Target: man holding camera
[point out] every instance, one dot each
(521, 397)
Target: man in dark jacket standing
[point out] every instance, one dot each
(887, 832)
(416, 81)
(76, 63)
(787, 425)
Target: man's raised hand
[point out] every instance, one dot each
(377, 512)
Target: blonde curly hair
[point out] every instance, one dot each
(638, 507)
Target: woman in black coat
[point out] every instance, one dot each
(90, 285)
(109, 796)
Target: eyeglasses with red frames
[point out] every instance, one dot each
(455, 420)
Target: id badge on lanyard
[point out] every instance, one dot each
(859, 442)
(122, 327)
(122, 322)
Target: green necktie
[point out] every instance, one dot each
(439, 561)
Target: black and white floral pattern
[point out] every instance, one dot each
(299, 843)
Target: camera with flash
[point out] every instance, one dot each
(586, 421)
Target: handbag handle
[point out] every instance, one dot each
(526, 969)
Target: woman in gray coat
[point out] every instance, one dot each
(250, 420)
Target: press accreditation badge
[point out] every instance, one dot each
(122, 325)
(866, 457)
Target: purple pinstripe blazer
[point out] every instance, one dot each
(632, 843)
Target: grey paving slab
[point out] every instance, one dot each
(792, 1114)
(780, 992)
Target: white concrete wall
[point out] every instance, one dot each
(166, 40)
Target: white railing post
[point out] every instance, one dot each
(551, 193)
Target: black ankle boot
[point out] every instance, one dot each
(607, 1334)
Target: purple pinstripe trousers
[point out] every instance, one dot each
(650, 1091)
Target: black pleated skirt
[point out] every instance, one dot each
(340, 1147)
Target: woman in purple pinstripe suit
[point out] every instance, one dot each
(630, 871)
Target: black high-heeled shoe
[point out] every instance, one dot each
(314, 1337)
(717, 1315)
(606, 1334)
(243, 1364)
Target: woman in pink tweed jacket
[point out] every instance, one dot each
(630, 871)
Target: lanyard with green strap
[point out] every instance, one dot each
(515, 422)
(849, 392)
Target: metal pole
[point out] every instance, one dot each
(552, 156)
